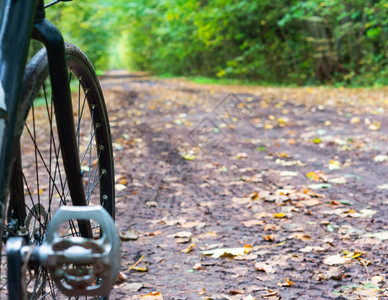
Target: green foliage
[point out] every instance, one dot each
(303, 42)
(84, 24)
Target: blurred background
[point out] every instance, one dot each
(268, 42)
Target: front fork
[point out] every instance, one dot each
(51, 37)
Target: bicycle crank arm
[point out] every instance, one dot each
(79, 266)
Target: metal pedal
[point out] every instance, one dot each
(81, 266)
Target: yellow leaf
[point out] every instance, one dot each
(334, 165)
(279, 215)
(140, 269)
(187, 250)
(374, 126)
(283, 155)
(188, 156)
(286, 283)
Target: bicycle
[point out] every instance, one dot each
(56, 162)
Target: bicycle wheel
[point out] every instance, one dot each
(39, 167)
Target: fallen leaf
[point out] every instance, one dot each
(269, 237)
(287, 283)
(182, 237)
(336, 259)
(374, 126)
(264, 267)
(288, 174)
(381, 158)
(140, 269)
(128, 236)
(279, 215)
(270, 227)
(382, 235)
(334, 273)
(319, 186)
(317, 176)
(241, 200)
(187, 250)
(197, 267)
(383, 186)
(300, 236)
(152, 296)
(312, 202)
(236, 292)
(120, 187)
(377, 279)
(188, 156)
(308, 249)
(270, 293)
(227, 252)
(131, 287)
(338, 180)
(122, 277)
(241, 156)
(193, 224)
(253, 222)
(181, 234)
(334, 165)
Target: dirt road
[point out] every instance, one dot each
(227, 192)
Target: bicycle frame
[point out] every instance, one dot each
(21, 20)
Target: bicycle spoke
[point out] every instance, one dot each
(46, 186)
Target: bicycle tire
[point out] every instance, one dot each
(39, 159)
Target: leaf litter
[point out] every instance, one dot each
(301, 178)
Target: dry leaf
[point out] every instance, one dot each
(187, 250)
(227, 252)
(131, 287)
(264, 267)
(279, 215)
(286, 283)
(120, 187)
(152, 296)
(197, 267)
(241, 200)
(269, 237)
(122, 277)
(301, 236)
(334, 273)
(336, 259)
(251, 223)
(128, 236)
(192, 224)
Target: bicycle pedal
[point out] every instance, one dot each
(82, 266)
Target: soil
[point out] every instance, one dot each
(288, 186)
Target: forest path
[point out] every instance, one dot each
(294, 182)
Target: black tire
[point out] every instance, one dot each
(42, 173)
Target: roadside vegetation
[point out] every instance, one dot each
(274, 42)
